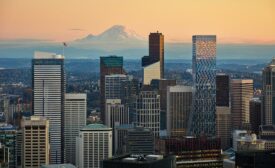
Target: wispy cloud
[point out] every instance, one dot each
(76, 29)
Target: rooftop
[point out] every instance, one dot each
(112, 61)
(58, 166)
(47, 55)
(95, 127)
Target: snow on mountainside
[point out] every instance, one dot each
(115, 33)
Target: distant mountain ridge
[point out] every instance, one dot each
(119, 40)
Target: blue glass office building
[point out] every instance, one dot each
(202, 118)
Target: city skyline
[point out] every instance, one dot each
(233, 22)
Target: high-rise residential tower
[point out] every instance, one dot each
(93, 144)
(75, 119)
(241, 93)
(108, 65)
(48, 98)
(179, 106)
(202, 118)
(36, 147)
(268, 93)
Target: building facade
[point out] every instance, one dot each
(75, 119)
(268, 94)
(156, 50)
(241, 93)
(204, 82)
(161, 85)
(195, 152)
(148, 110)
(150, 72)
(139, 140)
(255, 110)
(108, 65)
(36, 146)
(113, 86)
(116, 113)
(8, 138)
(93, 145)
(48, 98)
(179, 106)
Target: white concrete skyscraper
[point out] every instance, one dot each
(48, 84)
(74, 120)
(93, 144)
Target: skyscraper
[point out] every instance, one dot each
(153, 65)
(255, 114)
(108, 65)
(75, 119)
(93, 144)
(148, 110)
(222, 92)
(202, 118)
(179, 106)
(48, 85)
(223, 110)
(156, 50)
(268, 93)
(116, 113)
(241, 94)
(113, 86)
(161, 85)
(36, 147)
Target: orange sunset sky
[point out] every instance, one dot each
(233, 21)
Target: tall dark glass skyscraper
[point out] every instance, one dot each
(156, 49)
(153, 65)
(202, 118)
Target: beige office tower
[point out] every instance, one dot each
(74, 120)
(151, 72)
(35, 151)
(223, 125)
(179, 105)
(241, 94)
